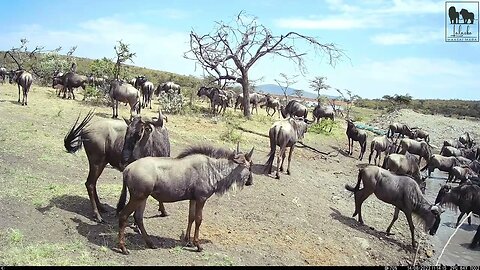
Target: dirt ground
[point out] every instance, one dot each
(301, 219)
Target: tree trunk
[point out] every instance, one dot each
(246, 96)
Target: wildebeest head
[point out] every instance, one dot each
(433, 219)
(203, 91)
(138, 129)
(13, 75)
(441, 193)
(246, 161)
(300, 126)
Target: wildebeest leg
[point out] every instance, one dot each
(161, 208)
(476, 238)
(283, 159)
(395, 217)
(370, 156)
(360, 196)
(290, 158)
(138, 216)
(73, 94)
(379, 155)
(131, 206)
(198, 221)
(191, 218)
(279, 155)
(460, 218)
(94, 172)
(412, 227)
(19, 93)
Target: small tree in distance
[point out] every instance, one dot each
(285, 82)
(318, 84)
(123, 55)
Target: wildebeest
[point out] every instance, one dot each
(284, 133)
(402, 129)
(271, 103)
(195, 175)
(166, 87)
(405, 165)
(294, 109)
(72, 80)
(420, 148)
(454, 143)
(3, 74)
(124, 92)
(355, 134)
(255, 100)
(442, 163)
(421, 134)
(218, 98)
(116, 143)
(467, 198)
(24, 80)
(450, 151)
(380, 144)
(323, 112)
(95, 81)
(147, 93)
(398, 190)
(463, 173)
(466, 140)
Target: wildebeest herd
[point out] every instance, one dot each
(139, 147)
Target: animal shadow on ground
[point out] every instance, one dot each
(105, 115)
(467, 246)
(464, 226)
(354, 224)
(341, 151)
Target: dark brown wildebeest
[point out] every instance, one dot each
(218, 98)
(420, 148)
(167, 87)
(355, 134)
(470, 153)
(23, 79)
(124, 92)
(467, 198)
(323, 112)
(454, 143)
(405, 165)
(271, 103)
(108, 142)
(72, 80)
(420, 134)
(195, 175)
(255, 100)
(294, 109)
(463, 173)
(147, 93)
(442, 163)
(398, 190)
(402, 129)
(284, 133)
(466, 140)
(380, 144)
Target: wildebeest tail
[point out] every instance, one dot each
(72, 140)
(271, 155)
(357, 187)
(123, 195)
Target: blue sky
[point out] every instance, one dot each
(394, 47)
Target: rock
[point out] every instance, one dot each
(363, 242)
(429, 253)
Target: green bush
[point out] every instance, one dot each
(172, 103)
(323, 127)
(231, 134)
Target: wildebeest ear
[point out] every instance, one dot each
(249, 155)
(239, 159)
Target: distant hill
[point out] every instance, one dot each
(277, 90)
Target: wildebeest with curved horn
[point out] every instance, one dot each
(467, 198)
(195, 175)
(380, 144)
(405, 165)
(284, 133)
(24, 80)
(420, 148)
(398, 190)
(124, 92)
(355, 134)
(116, 143)
(271, 103)
(402, 129)
(323, 112)
(294, 109)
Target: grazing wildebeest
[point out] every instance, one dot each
(218, 98)
(323, 112)
(467, 198)
(294, 109)
(442, 163)
(284, 133)
(195, 174)
(463, 173)
(380, 144)
(271, 103)
(23, 79)
(166, 87)
(398, 190)
(124, 92)
(405, 165)
(421, 134)
(3, 74)
(255, 100)
(116, 143)
(420, 148)
(402, 129)
(466, 140)
(72, 80)
(355, 134)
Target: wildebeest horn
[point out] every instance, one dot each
(249, 155)
(159, 122)
(238, 148)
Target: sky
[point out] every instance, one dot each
(392, 47)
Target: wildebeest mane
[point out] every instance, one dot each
(207, 150)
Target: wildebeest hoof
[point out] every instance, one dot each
(281, 169)
(277, 176)
(288, 172)
(389, 233)
(99, 219)
(189, 244)
(199, 248)
(124, 251)
(165, 214)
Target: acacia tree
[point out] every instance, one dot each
(285, 82)
(230, 50)
(348, 98)
(123, 53)
(318, 84)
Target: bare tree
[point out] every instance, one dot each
(230, 50)
(348, 98)
(123, 55)
(318, 84)
(285, 82)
